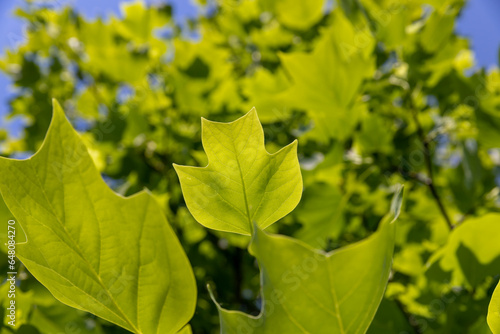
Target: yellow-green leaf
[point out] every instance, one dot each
(494, 312)
(96, 251)
(308, 291)
(326, 82)
(470, 254)
(243, 184)
(299, 14)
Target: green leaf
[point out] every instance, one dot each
(242, 184)
(5, 216)
(390, 18)
(471, 253)
(23, 304)
(308, 291)
(109, 55)
(96, 251)
(437, 31)
(321, 214)
(494, 311)
(488, 125)
(264, 91)
(376, 134)
(138, 21)
(470, 180)
(326, 82)
(299, 15)
(40, 309)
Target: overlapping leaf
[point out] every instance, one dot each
(471, 253)
(307, 291)
(242, 184)
(94, 250)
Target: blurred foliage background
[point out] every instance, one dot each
(377, 92)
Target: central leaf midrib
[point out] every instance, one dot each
(242, 186)
(335, 299)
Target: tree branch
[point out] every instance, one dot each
(428, 164)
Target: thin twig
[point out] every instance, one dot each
(428, 163)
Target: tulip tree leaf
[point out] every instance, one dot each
(299, 15)
(437, 31)
(242, 183)
(326, 81)
(321, 203)
(308, 291)
(494, 311)
(96, 251)
(470, 253)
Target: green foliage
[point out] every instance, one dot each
(242, 184)
(111, 256)
(335, 109)
(297, 15)
(468, 254)
(307, 291)
(494, 312)
(378, 93)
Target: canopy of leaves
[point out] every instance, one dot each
(378, 93)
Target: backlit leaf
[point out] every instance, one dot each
(242, 184)
(308, 291)
(494, 312)
(471, 254)
(299, 14)
(94, 250)
(326, 81)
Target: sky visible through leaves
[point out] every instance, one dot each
(293, 116)
(479, 22)
(184, 9)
